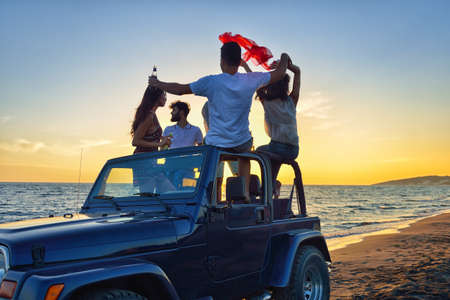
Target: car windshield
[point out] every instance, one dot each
(150, 177)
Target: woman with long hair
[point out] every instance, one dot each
(280, 117)
(146, 131)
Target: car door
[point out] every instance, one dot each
(238, 232)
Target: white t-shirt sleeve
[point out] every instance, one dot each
(258, 79)
(201, 86)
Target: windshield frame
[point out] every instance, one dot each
(142, 201)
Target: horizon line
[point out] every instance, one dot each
(85, 182)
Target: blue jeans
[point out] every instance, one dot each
(287, 151)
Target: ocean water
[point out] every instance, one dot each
(344, 211)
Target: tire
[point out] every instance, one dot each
(309, 277)
(110, 294)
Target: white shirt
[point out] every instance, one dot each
(230, 98)
(281, 120)
(184, 137)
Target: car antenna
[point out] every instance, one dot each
(79, 180)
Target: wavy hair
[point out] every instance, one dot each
(149, 101)
(276, 90)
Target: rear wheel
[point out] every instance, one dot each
(309, 277)
(110, 294)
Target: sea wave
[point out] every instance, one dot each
(344, 210)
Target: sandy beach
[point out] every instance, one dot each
(411, 264)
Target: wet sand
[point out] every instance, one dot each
(411, 264)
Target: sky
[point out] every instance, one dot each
(375, 93)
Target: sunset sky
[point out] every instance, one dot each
(375, 95)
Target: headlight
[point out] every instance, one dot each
(4, 262)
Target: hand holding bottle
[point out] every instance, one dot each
(153, 79)
(165, 142)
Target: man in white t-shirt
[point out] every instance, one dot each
(182, 134)
(230, 97)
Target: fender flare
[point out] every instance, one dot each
(77, 276)
(283, 250)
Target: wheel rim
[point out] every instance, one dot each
(312, 283)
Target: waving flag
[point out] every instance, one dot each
(259, 55)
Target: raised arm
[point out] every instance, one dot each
(278, 73)
(170, 87)
(296, 86)
(245, 66)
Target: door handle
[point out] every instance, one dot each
(259, 211)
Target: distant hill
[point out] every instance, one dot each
(424, 180)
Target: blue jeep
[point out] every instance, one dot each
(174, 224)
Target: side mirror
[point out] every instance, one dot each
(235, 189)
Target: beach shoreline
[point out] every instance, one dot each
(412, 262)
(335, 243)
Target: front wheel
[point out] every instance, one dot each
(110, 294)
(309, 277)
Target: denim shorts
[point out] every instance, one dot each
(287, 151)
(245, 147)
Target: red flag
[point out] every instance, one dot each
(259, 55)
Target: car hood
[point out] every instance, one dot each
(80, 236)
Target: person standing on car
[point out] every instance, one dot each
(182, 133)
(145, 130)
(229, 99)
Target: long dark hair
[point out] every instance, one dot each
(149, 101)
(276, 90)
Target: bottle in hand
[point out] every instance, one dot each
(165, 147)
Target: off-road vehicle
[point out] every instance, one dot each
(175, 224)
